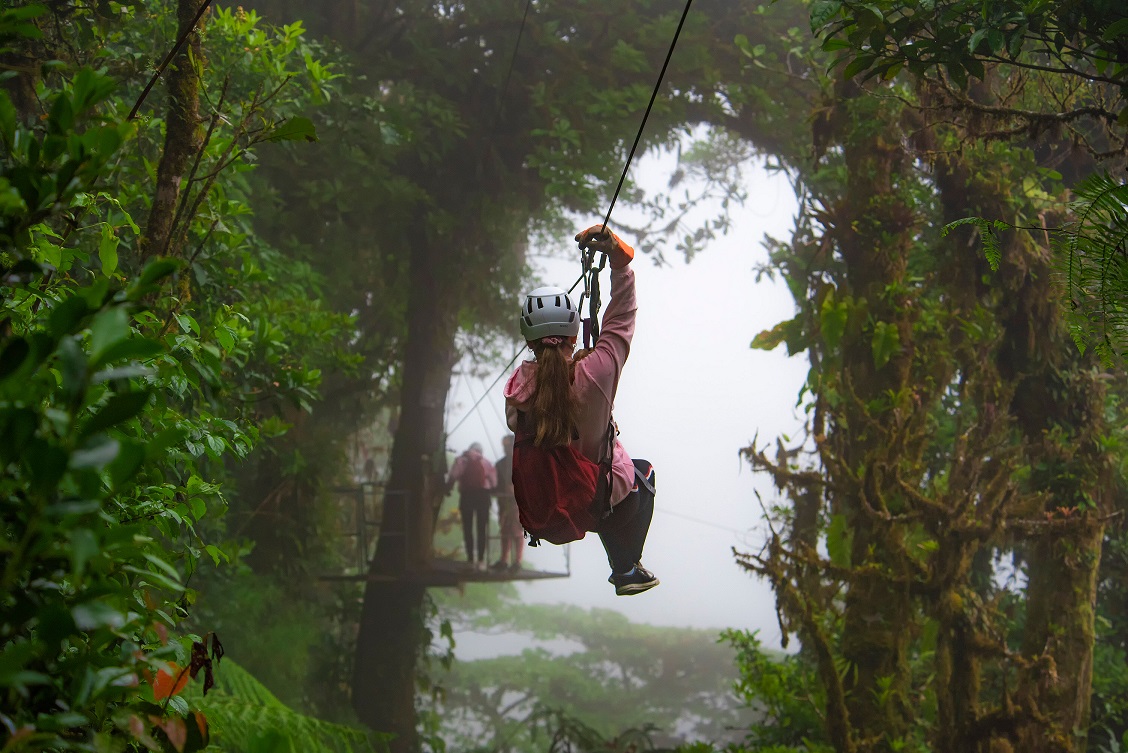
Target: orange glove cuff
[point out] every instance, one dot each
(626, 253)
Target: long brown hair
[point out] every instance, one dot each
(554, 406)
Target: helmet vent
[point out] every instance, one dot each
(557, 301)
(540, 303)
(529, 305)
(572, 317)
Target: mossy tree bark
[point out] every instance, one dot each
(1057, 405)
(182, 133)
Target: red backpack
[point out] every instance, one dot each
(561, 495)
(473, 474)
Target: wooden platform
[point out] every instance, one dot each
(449, 573)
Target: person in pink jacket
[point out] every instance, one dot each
(566, 398)
(476, 478)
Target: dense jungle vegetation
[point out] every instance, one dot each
(233, 239)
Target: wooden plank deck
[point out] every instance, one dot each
(450, 573)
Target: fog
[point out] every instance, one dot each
(693, 393)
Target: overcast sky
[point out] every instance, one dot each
(693, 393)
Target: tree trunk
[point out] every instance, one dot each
(182, 136)
(1058, 407)
(390, 638)
(873, 228)
(1061, 607)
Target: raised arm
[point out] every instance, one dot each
(605, 363)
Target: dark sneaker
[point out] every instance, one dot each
(635, 581)
(499, 565)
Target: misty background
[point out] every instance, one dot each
(692, 395)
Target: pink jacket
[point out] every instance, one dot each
(597, 380)
(459, 470)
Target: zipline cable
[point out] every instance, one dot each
(512, 61)
(626, 168)
(481, 416)
(653, 96)
(504, 369)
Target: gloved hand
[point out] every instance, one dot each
(596, 237)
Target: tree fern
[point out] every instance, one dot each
(245, 717)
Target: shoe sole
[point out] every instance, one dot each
(635, 588)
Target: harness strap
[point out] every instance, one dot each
(591, 292)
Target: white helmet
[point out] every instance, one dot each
(549, 311)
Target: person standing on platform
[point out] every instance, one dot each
(476, 477)
(508, 521)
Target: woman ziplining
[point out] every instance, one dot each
(571, 474)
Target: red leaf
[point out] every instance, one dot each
(202, 724)
(175, 731)
(170, 681)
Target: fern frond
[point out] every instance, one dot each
(245, 717)
(1092, 256)
(992, 249)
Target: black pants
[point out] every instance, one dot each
(474, 507)
(623, 532)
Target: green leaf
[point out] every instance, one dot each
(974, 66)
(168, 569)
(838, 539)
(976, 38)
(131, 348)
(822, 11)
(96, 455)
(92, 615)
(198, 506)
(886, 342)
(787, 331)
(83, 546)
(109, 328)
(72, 367)
(107, 250)
(121, 407)
(14, 355)
(1115, 30)
(857, 65)
(125, 466)
(46, 464)
(832, 320)
(996, 40)
(188, 323)
(294, 129)
(153, 273)
(66, 315)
